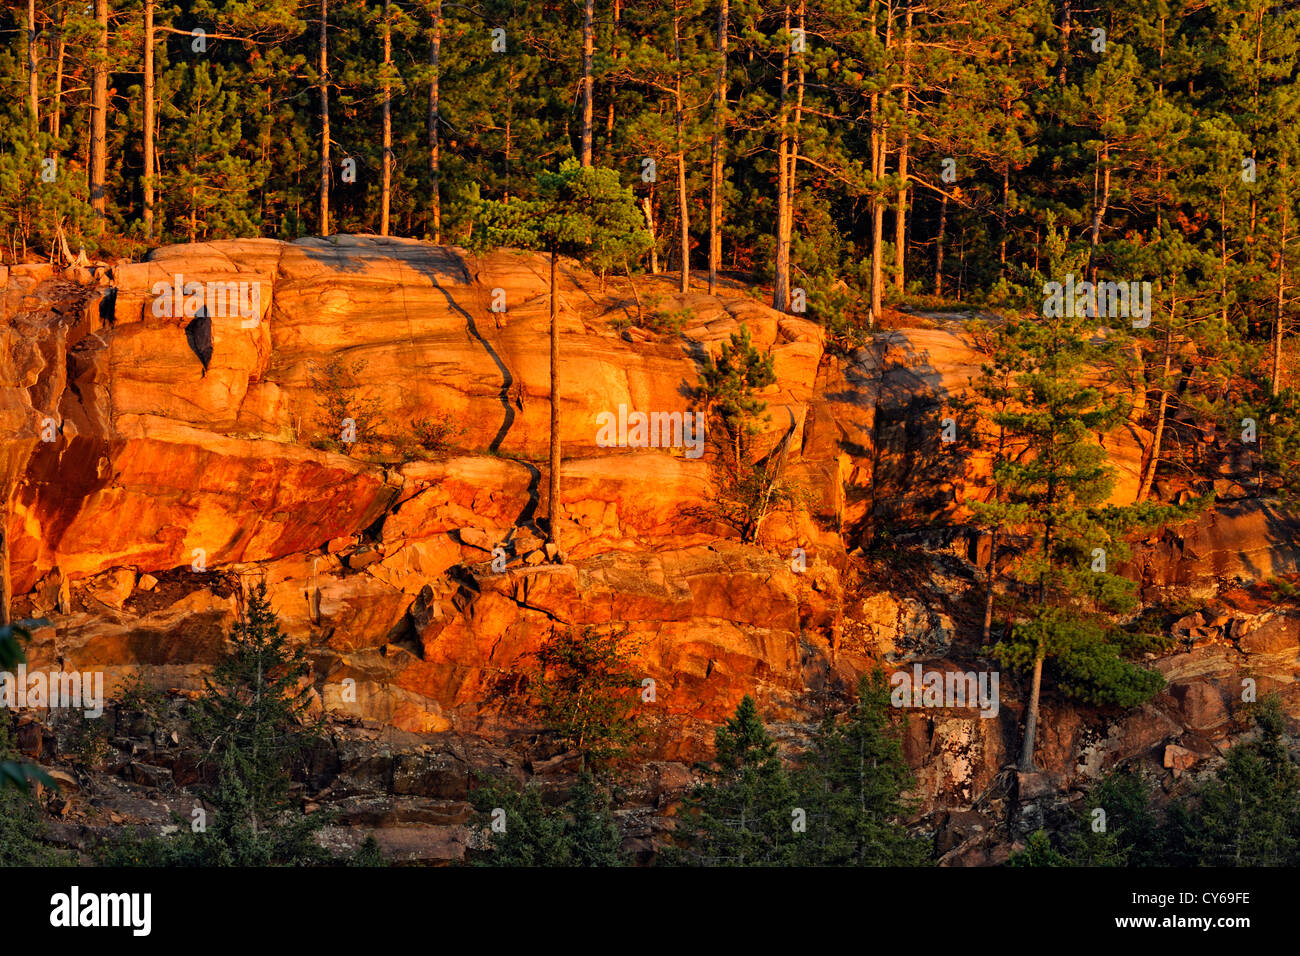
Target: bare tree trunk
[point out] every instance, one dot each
(1067, 26)
(781, 280)
(150, 121)
(992, 573)
(1223, 255)
(1259, 43)
(323, 67)
(900, 215)
(640, 312)
(1281, 296)
(648, 205)
(588, 49)
(553, 509)
(679, 123)
(6, 585)
(879, 150)
(1149, 472)
(1027, 764)
(509, 144)
(796, 128)
(613, 86)
(435, 55)
(989, 579)
(60, 55)
(684, 215)
(938, 246)
(1100, 212)
(878, 230)
(386, 186)
(99, 119)
(33, 71)
(1006, 203)
(719, 128)
(1160, 165)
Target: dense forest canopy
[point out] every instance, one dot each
(936, 144)
(850, 155)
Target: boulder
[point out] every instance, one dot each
(1201, 705)
(1178, 758)
(1037, 786)
(1278, 633)
(112, 588)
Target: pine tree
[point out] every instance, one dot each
(1127, 832)
(728, 384)
(744, 814)
(1249, 814)
(1038, 851)
(212, 188)
(855, 778)
(524, 830)
(746, 489)
(578, 210)
(253, 722)
(1054, 481)
(742, 741)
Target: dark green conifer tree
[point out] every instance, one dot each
(854, 780)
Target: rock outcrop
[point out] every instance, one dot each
(146, 489)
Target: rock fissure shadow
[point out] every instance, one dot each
(436, 263)
(909, 401)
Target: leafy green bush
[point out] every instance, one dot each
(338, 399)
(138, 695)
(587, 691)
(436, 433)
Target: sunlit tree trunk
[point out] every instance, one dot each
(793, 176)
(679, 124)
(938, 245)
(553, 516)
(150, 121)
(99, 119)
(6, 586)
(33, 71)
(715, 171)
(588, 50)
(435, 55)
(1027, 764)
(1279, 309)
(1157, 438)
(386, 186)
(60, 51)
(648, 206)
(323, 67)
(781, 280)
(901, 199)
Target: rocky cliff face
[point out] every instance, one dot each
(145, 487)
